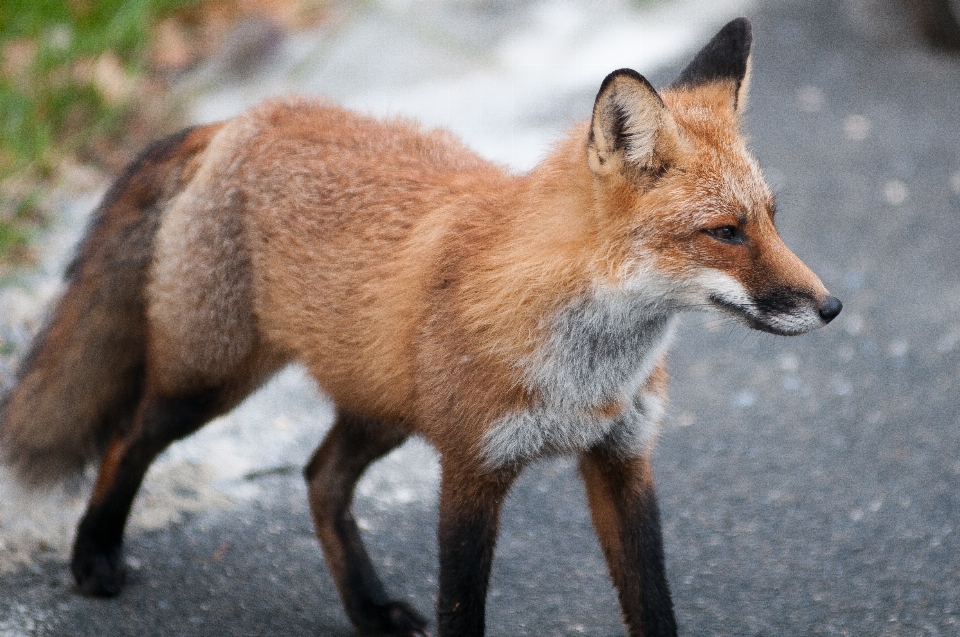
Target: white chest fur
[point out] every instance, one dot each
(599, 351)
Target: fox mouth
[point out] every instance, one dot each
(785, 322)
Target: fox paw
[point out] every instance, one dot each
(394, 619)
(98, 572)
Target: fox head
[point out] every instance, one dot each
(673, 174)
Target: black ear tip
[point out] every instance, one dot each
(724, 57)
(739, 29)
(738, 34)
(607, 81)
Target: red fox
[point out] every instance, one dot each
(501, 317)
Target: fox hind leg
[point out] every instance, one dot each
(332, 474)
(97, 561)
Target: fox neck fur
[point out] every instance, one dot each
(579, 336)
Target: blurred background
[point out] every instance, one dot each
(809, 486)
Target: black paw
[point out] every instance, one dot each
(98, 572)
(394, 619)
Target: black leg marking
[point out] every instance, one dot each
(469, 519)
(350, 447)
(625, 513)
(97, 562)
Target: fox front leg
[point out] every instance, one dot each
(470, 503)
(623, 503)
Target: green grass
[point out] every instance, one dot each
(62, 63)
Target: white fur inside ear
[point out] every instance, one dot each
(629, 117)
(643, 121)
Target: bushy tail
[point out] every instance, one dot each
(83, 375)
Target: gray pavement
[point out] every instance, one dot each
(809, 486)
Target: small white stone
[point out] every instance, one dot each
(789, 363)
(810, 98)
(842, 386)
(686, 419)
(898, 348)
(791, 383)
(745, 398)
(853, 324)
(948, 341)
(856, 127)
(895, 192)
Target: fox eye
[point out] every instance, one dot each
(727, 234)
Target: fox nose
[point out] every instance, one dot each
(830, 308)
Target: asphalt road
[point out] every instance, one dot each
(809, 486)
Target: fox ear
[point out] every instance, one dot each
(630, 124)
(725, 59)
